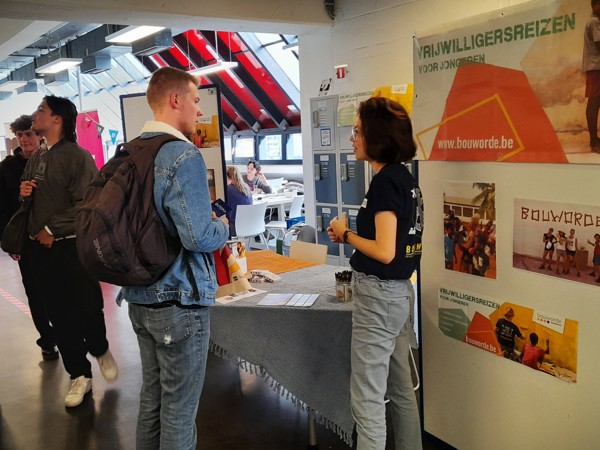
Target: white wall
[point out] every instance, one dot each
(472, 400)
(476, 400)
(316, 64)
(17, 105)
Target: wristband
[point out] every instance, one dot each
(345, 235)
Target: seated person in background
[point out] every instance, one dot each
(238, 193)
(532, 354)
(255, 178)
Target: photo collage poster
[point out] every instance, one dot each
(542, 233)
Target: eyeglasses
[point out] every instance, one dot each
(355, 132)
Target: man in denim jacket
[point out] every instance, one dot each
(171, 316)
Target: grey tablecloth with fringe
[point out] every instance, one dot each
(305, 352)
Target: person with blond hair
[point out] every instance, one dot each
(561, 252)
(171, 316)
(238, 193)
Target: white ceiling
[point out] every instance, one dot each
(27, 21)
(32, 27)
(29, 28)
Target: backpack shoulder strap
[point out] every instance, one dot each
(151, 145)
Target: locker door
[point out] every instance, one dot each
(324, 216)
(323, 112)
(351, 213)
(325, 171)
(352, 179)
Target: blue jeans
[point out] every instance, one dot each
(380, 365)
(173, 345)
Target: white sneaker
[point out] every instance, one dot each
(79, 387)
(108, 366)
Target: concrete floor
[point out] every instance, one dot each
(237, 411)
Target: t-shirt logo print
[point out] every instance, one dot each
(418, 219)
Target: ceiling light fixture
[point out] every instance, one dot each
(221, 65)
(131, 34)
(155, 43)
(56, 79)
(10, 85)
(58, 65)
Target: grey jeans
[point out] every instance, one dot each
(380, 365)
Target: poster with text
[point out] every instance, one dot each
(348, 106)
(538, 340)
(558, 240)
(506, 86)
(470, 228)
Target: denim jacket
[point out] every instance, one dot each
(182, 199)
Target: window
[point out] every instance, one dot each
(284, 147)
(270, 148)
(286, 59)
(244, 148)
(228, 149)
(293, 148)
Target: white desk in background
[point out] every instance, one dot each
(279, 201)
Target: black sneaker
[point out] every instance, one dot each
(49, 354)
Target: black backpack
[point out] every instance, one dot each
(120, 237)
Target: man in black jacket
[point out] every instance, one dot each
(11, 170)
(56, 179)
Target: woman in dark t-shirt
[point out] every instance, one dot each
(388, 249)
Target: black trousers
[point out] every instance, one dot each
(36, 304)
(73, 301)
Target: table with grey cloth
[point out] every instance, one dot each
(305, 352)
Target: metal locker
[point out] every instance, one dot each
(351, 213)
(352, 179)
(325, 170)
(323, 113)
(324, 216)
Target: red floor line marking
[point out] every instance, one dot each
(15, 301)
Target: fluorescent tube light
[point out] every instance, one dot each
(10, 86)
(58, 65)
(221, 65)
(131, 34)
